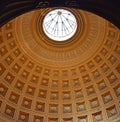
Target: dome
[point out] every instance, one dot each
(73, 80)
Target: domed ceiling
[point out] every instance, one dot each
(42, 80)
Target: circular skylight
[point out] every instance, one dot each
(59, 25)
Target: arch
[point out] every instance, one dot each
(106, 9)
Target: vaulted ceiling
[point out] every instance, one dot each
(77, 80)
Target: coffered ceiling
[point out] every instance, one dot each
(41, 80)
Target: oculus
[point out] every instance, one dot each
(59, 25)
